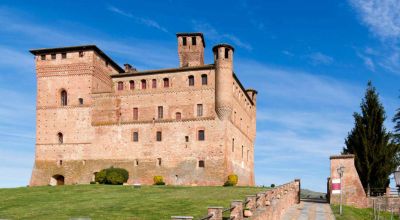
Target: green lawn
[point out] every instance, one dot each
(115, 202)
(350, 213)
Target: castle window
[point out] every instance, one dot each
(201, 135)
(154, 83)
(159, 162)
(63, 55)
(60, 162)
(135, 136)
(204, 79)
(199, 110)
(160, 112)
(53, 56)
(178, 116)
(226, 53)
(64, 98)
(233, 144)
(131, 85)
(80, 53)
(60, 138)
(43, 57)
(193, 40)
(184, 41)
(120, 85)
(136, 162)
(201, 163)
(166, 82)
(187, 138)
(191, 80)
(158, 136)
(143, 84)
(135, 114)
(80, 101)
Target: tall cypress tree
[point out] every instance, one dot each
(396, 120)
(375, 153)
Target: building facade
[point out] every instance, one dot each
(193, 125)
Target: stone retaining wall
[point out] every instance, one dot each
(268, 205)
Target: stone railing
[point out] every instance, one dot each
(270, 204)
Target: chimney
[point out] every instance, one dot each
(129, 68)
(190, 49)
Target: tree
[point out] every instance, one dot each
(396, 120)
(374, 151)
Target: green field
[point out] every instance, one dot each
(351, 213)
(115, 202)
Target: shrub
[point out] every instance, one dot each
(113, 176)
(158, 180)
(272, 185)
(232, 180)
(101, 177)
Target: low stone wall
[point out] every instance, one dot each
(268, 205)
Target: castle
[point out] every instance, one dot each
(193, 125)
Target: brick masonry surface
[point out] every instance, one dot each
(89, 110)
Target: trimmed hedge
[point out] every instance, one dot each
(232, 180)
(113, 176)
(158, 180)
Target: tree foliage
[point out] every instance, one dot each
(113, 176)
(396, 120)
(375, 152)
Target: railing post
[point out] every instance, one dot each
(216, 213)
(237, 211)
(260, 201)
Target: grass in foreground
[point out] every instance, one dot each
(351, 213)
(116, 202)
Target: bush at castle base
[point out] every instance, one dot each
(232, 180)
(158, 180)
(113, 176)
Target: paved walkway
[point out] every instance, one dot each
(309, 211)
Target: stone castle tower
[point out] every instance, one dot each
(193, 125)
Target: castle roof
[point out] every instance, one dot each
(78, 48)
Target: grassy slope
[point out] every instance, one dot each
(115, 202)
(351, 213)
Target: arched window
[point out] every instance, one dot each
(191, 80)
(178, 116)
(131, 85)
(166, 82)
(204, 79)
(64, 98)
(143, 84)
(60, 138)
(154, 83)
(120, 85)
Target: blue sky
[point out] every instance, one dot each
(310, 61)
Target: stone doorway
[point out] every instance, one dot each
(57, 180)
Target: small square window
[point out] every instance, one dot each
(80, 53)
(193, 40)
(201, 135)
(136, 162)
(63, 55)
(187, 138)
(53, 56)
(184, 41)
(135, 136)
(80, 101)
(159, 136)
(43, 57)
(201, 163)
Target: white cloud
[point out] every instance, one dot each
(380, 16)
(215, 35)
(146, 21)
(383, 21)
(320, 58)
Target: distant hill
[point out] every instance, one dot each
(309, 194)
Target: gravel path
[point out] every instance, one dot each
(309, 211)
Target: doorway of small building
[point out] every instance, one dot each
(57, 180)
